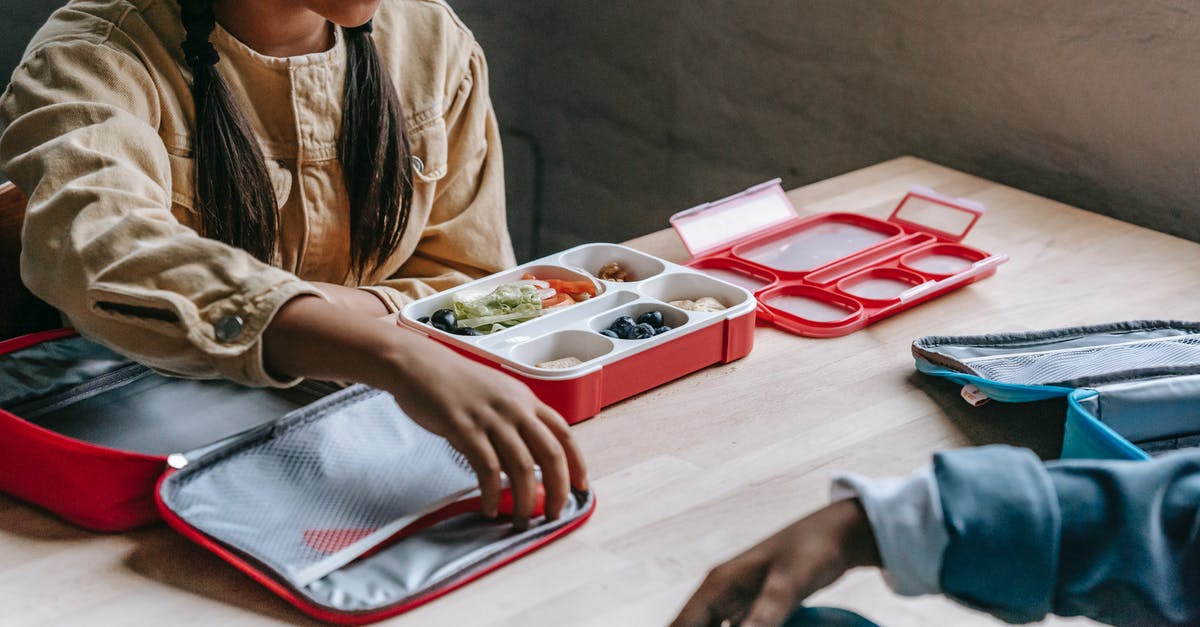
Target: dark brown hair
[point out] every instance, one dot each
(233, 189)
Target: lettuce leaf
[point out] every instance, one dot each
(509, 304)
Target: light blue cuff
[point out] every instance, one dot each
(910, 531)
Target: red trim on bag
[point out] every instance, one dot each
(354, 618)
(15, 344)
(93, 486)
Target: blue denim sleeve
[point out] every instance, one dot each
(1112, 540)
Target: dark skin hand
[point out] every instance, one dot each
(494, 420)
(760, 587)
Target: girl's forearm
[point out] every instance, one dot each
(310, 337)
(353, 298)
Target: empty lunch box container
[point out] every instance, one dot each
(834, 273)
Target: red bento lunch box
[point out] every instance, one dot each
(612, 369)
(831, 274)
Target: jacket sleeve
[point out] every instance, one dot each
(467, 233)
(100, 242)
(1112, 540)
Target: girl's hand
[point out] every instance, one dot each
(760, 587)
(495, 421)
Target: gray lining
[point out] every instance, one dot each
(86, 392)
(1071, 357)
(49, 368)
(294, 495)
(435, 558)
(1161, 411)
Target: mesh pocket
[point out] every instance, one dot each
(338, 472)
(1094, 363)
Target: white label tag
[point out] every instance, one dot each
(974, 396)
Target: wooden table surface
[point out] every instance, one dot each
(692, 472)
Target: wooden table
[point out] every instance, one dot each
(690, 473)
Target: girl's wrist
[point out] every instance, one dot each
(395, 357)
(313, 338)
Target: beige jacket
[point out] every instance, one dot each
(98, 135)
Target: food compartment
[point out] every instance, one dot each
(562, 350)
(880, 286)
(596, 258)
(940, 261)
(504, 301)
(579, 313)
(672, 317)
(690, 291)
(873, 257)
(742, 275)
(812, 244)
(811, 305)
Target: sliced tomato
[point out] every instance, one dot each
(564, 287)
(572, 287)
(556, 300)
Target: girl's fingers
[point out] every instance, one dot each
(558, 427)
(518, 463)
(482, 456)
(550, 458)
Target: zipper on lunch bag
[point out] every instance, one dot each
(92, 387)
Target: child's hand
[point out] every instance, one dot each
(494, 420)
(762, 585)
(497, 423)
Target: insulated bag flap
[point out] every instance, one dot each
(350, 506)
(1065, 359)
(85, 432)
(1134, 419)
(1132, 388)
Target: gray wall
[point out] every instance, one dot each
(642, 108)
(20, 19)
(646, 107)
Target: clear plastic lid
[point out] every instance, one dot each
(717, 224)
(926, 210)
(817, 243)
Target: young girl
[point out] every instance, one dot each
(242, 188)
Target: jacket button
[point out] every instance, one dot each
(417, 164)
(229, 328)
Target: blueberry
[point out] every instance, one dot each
(423, 319)
(609, 333)
(621, 326)
(661, 330)
(652, 318)
(465, 331)
(444, 319)
(642, 332)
